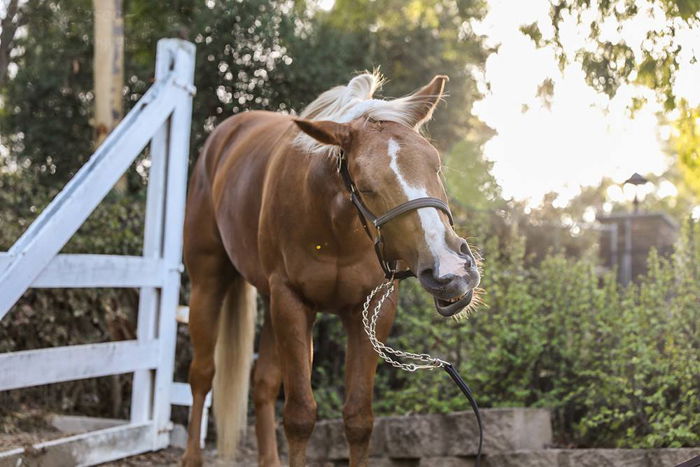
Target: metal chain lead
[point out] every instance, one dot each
(389, 354)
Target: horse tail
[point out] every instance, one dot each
(233, 358)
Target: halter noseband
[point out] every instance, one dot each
(366, 215)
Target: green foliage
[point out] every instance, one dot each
(45, 114)
(686, 143)
(257, 54)
(468, 176)
(607, 59)
(608, 66)
(532, 31)
(618, 366)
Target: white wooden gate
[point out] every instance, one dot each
(162, 117)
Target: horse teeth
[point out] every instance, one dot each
(456, 299)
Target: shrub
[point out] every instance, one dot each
(617, 365)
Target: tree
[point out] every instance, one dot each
(610, 60)
(108, 66)
(9, 26)
(45, 121)
(607, 58)
(685, 141)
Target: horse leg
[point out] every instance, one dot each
(360, 368)
(208, 291)
(267, 378)
(292, 321)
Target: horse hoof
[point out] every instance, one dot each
(191, 460)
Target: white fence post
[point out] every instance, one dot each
(176, 180)
(142, 389)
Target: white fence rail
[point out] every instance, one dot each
(162, 117)
(76, 271)
(44, 366)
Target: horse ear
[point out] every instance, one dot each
(325, 131)
(424, 101)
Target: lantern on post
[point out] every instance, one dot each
(633, 187)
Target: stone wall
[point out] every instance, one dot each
(513, 438)
(425, 440)
(595, 458)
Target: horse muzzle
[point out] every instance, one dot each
(451, 307)
(451, 293)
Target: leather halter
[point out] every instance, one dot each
(366, 216)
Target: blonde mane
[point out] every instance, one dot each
(343, 104)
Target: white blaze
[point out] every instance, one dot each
(433, 227)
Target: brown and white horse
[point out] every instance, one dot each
(267, 210)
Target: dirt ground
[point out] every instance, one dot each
(24, 428)
(169, 456)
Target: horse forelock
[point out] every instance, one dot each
(343, 104)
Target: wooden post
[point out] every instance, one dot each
(142, 389)
(176, 181)
(626, 269)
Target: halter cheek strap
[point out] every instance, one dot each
(366, 215)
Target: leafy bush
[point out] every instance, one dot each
(617, 365)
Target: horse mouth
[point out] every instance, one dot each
(452, 306)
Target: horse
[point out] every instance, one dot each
(269, 211)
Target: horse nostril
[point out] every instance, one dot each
(427, 275)
(467, 253)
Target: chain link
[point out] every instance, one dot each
(389, 354)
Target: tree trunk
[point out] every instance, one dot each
(108, 71)
(9, 28)
(108, 66)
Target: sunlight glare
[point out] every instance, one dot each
(695, 214)
(326, 5)
(583, 136)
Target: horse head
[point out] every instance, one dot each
(391, 164)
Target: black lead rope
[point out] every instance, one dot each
(462, 385)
